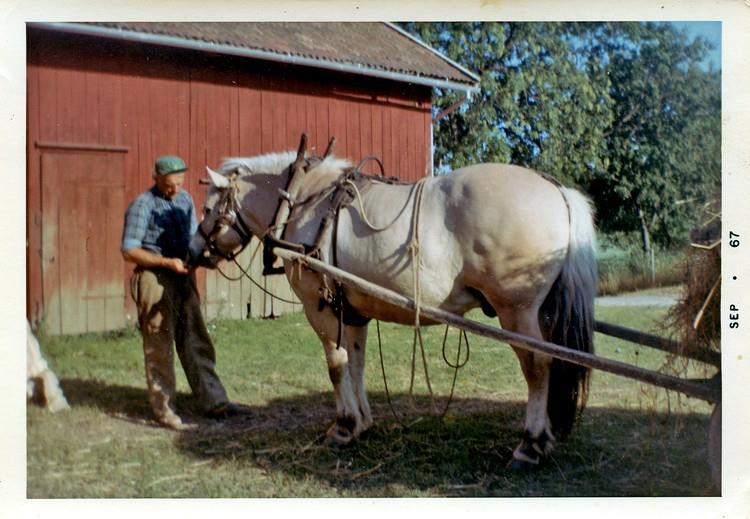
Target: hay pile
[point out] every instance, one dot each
(696, 318)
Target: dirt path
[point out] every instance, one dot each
(637, 300)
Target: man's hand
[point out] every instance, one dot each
(148, 259)
(176, 265)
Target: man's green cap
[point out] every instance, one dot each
(169, 164)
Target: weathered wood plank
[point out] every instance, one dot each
(659, 343)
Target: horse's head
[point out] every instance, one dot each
(223, 231)
(241, 201)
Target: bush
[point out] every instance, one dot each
(624, 266)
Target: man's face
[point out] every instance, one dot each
(170, 185)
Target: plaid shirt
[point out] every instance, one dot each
(159, 225)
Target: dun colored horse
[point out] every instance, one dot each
(502, 237)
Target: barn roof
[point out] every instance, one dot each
(366, 48)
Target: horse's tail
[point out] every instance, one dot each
(567, 316)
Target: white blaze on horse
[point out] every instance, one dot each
(497, 236)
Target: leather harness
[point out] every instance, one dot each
(342, 196)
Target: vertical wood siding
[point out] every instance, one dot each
(148, 101)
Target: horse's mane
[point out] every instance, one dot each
(275, 163)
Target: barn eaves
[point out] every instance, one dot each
(379, 50)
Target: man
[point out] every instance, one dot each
(158, 227)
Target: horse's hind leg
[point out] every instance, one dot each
(537, 437)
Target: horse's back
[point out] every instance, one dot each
(513, 195)
(489, 225)
(508, 220)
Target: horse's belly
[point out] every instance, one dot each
(386, 261)
(457, 302)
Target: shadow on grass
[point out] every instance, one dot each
(612, 452)
(122, 401)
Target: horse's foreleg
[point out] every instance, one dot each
(349, 419)
(348, 422)
(356, 340)
(537, 438)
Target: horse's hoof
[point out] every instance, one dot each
(336, 443)
(525, 458)
(517, 465)
(337, 438)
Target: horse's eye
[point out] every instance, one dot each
(206, 211)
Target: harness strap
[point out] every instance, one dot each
(242, 229)
(287, 199)
(358, 169)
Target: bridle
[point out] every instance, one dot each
(229, 211)
(229, 215)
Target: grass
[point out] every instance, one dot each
(669, 290)
(633, 440)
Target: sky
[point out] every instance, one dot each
(710, 31)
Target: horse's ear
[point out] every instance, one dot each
(219, 180)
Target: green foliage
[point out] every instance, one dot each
(624, 266)
(664, 146)
(622, 110)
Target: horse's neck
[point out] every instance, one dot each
(261, 200)
(318, 182)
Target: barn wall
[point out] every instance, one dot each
(95, 100)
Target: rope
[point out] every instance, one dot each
(363, 213)
(225, 276)
(462, 337)
(271, 294)
(246, 274)
(385, 379)
(362, 209)
(457, 366)
(414, 248)
(417, 337)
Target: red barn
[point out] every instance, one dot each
(105, 99)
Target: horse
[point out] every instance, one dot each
(502, 237)
(42, 386)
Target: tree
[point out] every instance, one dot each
(622, 110)
(537, 106)
(663, 147)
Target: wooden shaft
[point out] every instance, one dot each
(690, 388)
(296, 176)
(329, 149)
(302, 149)
(659, 343)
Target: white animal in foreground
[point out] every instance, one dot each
(42, 385)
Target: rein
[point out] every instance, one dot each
(246, 274)
(233, 258)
